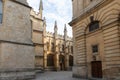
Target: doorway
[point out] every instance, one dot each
(62, 62)
(70, 60)
(96, 69)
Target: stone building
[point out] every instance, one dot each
(96, 36)
(48, 46)
(38, 25)
(16, 47)
(58, 52)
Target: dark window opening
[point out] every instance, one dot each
(71, 49)
(93, 25)
(1, 11)
(63, 48)
(52, 47)
(95, 48)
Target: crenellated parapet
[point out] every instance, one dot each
(35, 14)
(59, 36)
(50, 34)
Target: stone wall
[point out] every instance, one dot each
(16, 26)
(16, 47)
(107, 37)
(37, 37)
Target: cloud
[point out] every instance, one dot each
(59, 10)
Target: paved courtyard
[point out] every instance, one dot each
(63, 75)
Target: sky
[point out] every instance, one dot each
(55, 10)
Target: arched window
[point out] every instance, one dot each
(93, 26)
(1, 4)
(63, 48)
(72, 49)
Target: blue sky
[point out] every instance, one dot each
(59, 10)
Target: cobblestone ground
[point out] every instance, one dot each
(63, 75)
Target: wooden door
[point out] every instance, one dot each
(96, 69)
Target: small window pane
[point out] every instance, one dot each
(1, 11)
(93, 26)
(95, 48)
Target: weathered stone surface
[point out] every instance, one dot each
(15, 55)
(16, 47)
(106, 37)
(16, 26)
(38, 38)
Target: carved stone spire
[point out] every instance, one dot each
(55, 29)
(65, 32)
(41, 5)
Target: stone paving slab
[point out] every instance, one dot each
(63, 75)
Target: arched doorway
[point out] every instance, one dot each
(62, 62)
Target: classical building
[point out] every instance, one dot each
(16, 47)
(38, 25)
(96, 36)
(58, 50)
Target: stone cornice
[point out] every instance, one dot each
(90, 11)
(20, 43)
(26, 5)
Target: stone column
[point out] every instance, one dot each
(67, 62)
(57, 62)
(45, 60)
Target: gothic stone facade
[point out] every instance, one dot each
(16, 47)
(38, 24)
(48, 46)
(58, 53)
(96, 32)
